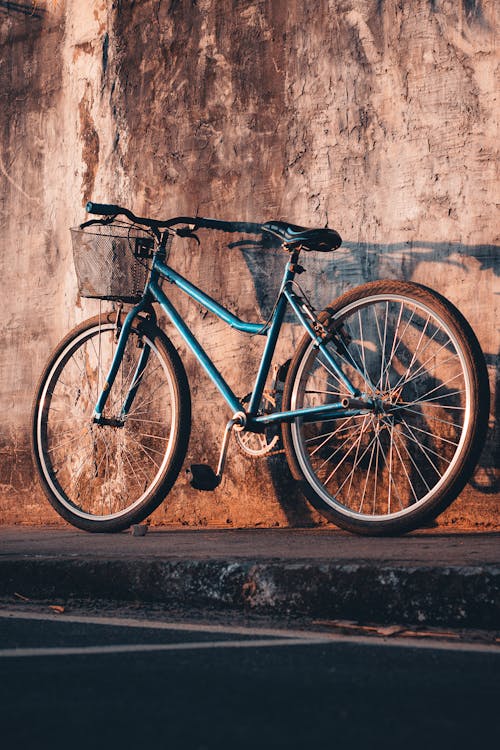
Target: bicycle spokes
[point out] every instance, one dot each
(408, 364)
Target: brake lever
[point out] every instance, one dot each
(102, 222)
(187, 232)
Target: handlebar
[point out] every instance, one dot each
(194, 222)
(103, 209)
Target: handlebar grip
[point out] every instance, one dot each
(103, 209)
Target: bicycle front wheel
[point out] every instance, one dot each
(389, 469)
(106, 477)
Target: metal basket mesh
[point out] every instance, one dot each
(105, 264)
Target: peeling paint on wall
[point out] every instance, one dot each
(90, 149)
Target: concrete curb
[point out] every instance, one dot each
(451, 596)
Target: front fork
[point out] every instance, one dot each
(125, 329)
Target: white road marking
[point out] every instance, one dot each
(266, 637)
(148, 647)
(154, 624)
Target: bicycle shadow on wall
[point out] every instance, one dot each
(31, 9)
(357, 263)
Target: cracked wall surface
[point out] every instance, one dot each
(379, 118)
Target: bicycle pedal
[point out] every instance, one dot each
(203, 477)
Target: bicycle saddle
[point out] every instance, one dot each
(321, 240)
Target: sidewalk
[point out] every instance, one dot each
(429, 577)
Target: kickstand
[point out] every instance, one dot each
(202, 476)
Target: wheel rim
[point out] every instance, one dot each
(376, 466)
(103, 472)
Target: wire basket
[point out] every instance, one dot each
(111, 261)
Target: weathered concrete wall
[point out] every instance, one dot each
(377, 117)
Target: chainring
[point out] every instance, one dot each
(255, 443)
(258, 444)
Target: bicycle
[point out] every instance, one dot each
(384, 403)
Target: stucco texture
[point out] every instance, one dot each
(378, 118)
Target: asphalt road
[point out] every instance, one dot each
(78, 682)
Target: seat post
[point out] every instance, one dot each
(293, 264)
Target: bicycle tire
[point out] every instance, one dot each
(389, 472)
(103, 478)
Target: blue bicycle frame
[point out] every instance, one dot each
(254, 421)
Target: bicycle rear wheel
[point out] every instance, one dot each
(388, 470)
(106, 477)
